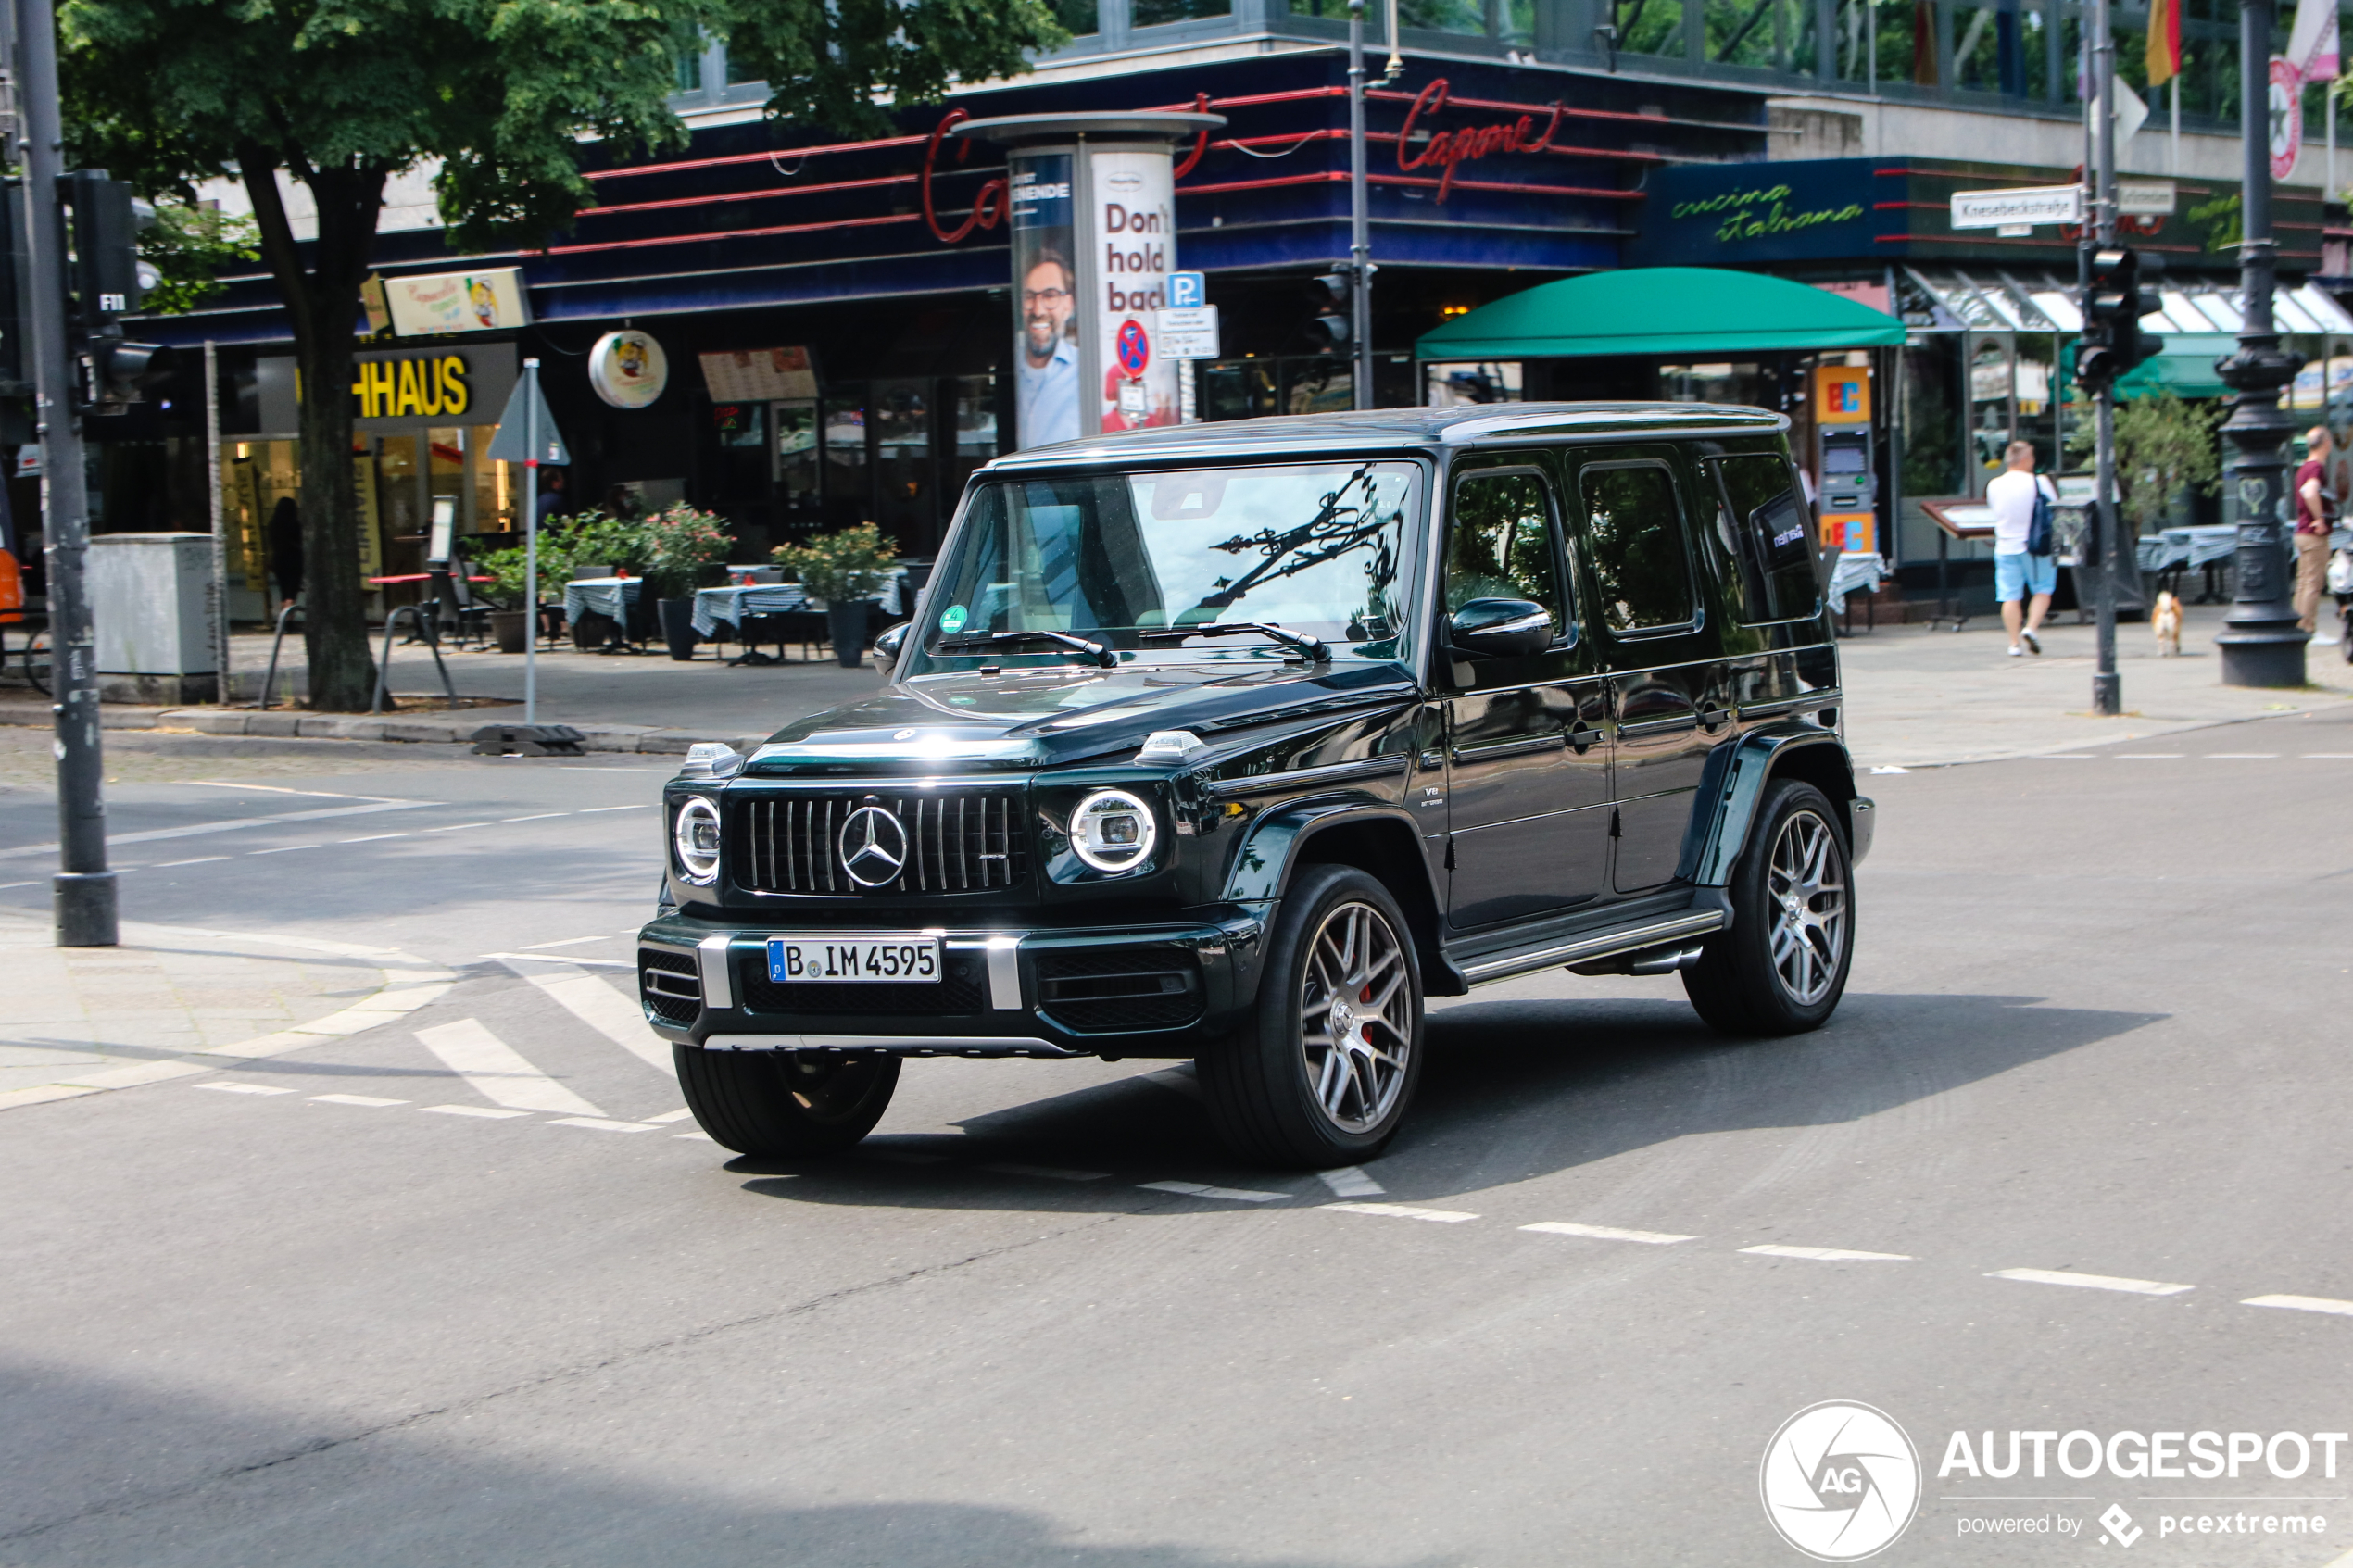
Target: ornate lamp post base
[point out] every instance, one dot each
(2261, 643)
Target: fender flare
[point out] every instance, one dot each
(1735, 783)
(1269, 852)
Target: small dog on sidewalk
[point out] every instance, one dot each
(2165, 619)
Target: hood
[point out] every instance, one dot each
(1054, 715)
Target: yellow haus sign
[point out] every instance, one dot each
(433, 387)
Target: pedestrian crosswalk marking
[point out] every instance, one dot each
(616, 1017)
(497, 1071)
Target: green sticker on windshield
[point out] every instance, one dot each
(951, 619)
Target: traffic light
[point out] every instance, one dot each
(107, 285)
(2113, 340)
(15, 283)
(1331, 292)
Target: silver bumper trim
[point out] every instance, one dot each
(718, 984)
(893, 1045)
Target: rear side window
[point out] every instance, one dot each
(1634, 539)
(1762, 522)
(1501, 545)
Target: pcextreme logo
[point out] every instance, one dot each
(1840, 1481)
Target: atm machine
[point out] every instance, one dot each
(1848, 502)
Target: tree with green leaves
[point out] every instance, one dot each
(2163, 445)
(337, 96)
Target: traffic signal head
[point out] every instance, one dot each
(2113, 340)
(122, 373)
(107, 220)
(1331, 293)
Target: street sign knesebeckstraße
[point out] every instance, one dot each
(1188, 333)
(2028, 204)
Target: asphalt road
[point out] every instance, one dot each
(2097, 1027)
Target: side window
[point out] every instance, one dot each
(1763, 523)
(1634, 537)
(1501, 544)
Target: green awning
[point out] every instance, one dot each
(1661, 311)
(2184, 367)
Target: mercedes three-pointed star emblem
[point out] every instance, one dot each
(874, 846)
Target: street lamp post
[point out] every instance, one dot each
(2261, 643)
(1360, 233)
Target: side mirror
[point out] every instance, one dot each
(886, 646)
(1501, 629)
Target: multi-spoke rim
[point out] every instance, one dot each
(1356, 1017)
(829, 1088)
(1806, 885)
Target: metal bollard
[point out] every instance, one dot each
(276, 642)
(424, 634)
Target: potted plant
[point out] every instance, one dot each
(510, 619)
(682, 546)
(845, 569)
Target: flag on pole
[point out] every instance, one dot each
(2164, 41)
(2311, 46)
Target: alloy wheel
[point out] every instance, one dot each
(1355, 1017)
(1805, 888)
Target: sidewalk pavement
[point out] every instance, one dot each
(1915, 697)
(175, 1001)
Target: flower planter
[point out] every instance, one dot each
(846, 627)
(678, 627)
(510, 627)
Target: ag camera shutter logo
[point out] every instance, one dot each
(1840, 1481)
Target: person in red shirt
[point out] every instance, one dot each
(2315, 512)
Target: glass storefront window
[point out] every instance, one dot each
(1740, 33)
(1449, 385)
(1991, 420)
(1152, 13)
(1743, 383)
(1236, 389)
(487, 483)
(972, 401)
(397, 500)
(849, 494)
(1318, 386)
(1442, 16)
(1078, 16)
(797, 476)
(1931, 422)
(902, 460)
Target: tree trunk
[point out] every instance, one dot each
(323, 300)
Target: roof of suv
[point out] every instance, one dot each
(1294, 434)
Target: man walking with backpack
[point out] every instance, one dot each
(2024, 559)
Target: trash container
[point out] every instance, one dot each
(151, 602)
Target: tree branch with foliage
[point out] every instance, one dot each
(2163, 445)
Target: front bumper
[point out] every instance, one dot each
(1145, 990)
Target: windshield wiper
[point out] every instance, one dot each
(1099, 652)
(1313, 647)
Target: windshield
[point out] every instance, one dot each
(1130, 561)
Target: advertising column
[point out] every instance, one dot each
(1132, 247)
(1046, 316)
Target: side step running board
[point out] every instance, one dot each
(1602, 945)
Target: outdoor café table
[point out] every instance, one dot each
(1856, 570)
(607, 596)
(715, 607)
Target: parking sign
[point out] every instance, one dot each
(1185, 289)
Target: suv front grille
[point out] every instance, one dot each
(961, 988)
(669, 983)
(1097, 990)
(967, 842)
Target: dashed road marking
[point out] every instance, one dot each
(1829, 1254)
(199, 861)
(699, 1138)
(371, 837)
(1606, 1233)
(1405, 1211)
(1232, 1194)
(632, 806)
(602, 1124)
(2302, 1304)
(285, 848)
(2242, 756)
(2092, 1282)
(535, 817)
(678, 1115)
(1347, 1181)
(372, 1101)
(486, 1112)
(1051, 1173)
(618, 1018)
(244, 1089)
(567, 941)
(2148, 756)
(498, 1073)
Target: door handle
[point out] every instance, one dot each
(1582, 738)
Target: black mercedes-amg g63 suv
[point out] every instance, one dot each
(1234, 742)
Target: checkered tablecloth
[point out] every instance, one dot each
(715, 607)
(1857, 571)
(609, 597)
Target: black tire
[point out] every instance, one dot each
(1781, 966)
(784, 1104)
(1278, 1091)
(36, 661)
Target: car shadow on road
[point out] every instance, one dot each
(1513, 1090)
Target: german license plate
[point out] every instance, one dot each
(830, 961)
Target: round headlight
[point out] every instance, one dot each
(696, 837)
(1113, 830)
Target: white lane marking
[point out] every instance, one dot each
(700, 1138)
(281, 789)
(199, 861)
(567, 941)
(1194, 1190)
(1348, 1182)
(1891, 769)
(2064, 757)
(1180, 1079)
(285, 848)
(1405, 1211)
(678, 1115)
(2148, 756)
(1606, 1233)
(2092, 1282)
(371, 837)
(616, 1017)
(2328, 755)
(603, 1124)
(1052, 1173)
(198, 829)
(371, 1100)
(459, 827)
(2302, 1304)
(1829, 1254)
(36, 882)
(2243, 756)
(242, 1088)
(535, 817)
(486, 1112)
(632, 806)
(497, 1071)
(559, 958)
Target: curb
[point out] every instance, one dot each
(645, 739)
(410, 983)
